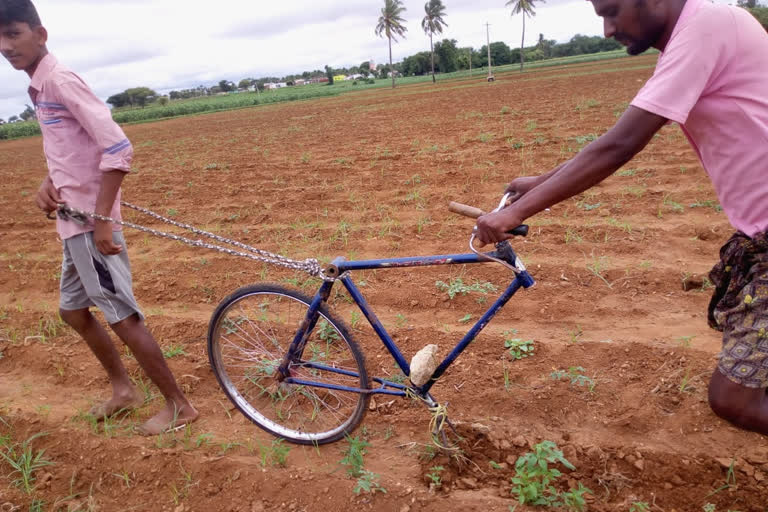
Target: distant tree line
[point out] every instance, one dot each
(449, 57)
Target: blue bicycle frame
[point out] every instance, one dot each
(342, 268)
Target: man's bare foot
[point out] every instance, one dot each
(117, 403)
(169, 419)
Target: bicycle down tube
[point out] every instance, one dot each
(340, 268)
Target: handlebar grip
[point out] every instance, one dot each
(521, 230)
(465, 210)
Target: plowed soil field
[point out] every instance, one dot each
(620, 303)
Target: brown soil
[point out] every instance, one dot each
(369, 175)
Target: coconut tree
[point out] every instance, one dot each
(527, 8)
(391, 25)
(433, 23)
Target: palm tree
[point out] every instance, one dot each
(391, 24)
(433, 23)
(526, 7)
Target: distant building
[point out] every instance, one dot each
(372, 65)
(275, 85)
(339, 78)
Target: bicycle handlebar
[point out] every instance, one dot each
(472, 212)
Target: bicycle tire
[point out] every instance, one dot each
(247, 339)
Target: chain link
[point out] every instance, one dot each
(310, 266)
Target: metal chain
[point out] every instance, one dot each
(310, 266)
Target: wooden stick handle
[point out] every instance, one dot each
(466, 210)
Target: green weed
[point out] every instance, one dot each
(575, 374)
(353, 457)
(368, 482)
(456, 286)
(25, 462)
(518, 348)
(534, 479)
(434, 476)
(275, 454)
(173, 351)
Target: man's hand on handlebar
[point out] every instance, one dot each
(495, 227)
(520, 186)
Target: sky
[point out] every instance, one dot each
(176, 44)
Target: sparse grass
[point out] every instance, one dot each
(707, 204)
(485, 137)
(586, 104)
(24, 462)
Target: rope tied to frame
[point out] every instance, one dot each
(437, 422)
(311, 266)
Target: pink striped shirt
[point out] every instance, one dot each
(80, 140)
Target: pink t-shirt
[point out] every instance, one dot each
(80, 139)
(712, 79)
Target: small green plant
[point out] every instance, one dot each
(465, 319)
(457, 287)
(597, 267)
(534, 479)
(485, 137)
(639, 506)
(173, 351)
(518, 348)
(686, 381)
(574, 335)
(707, 204)
(400, 320)
(326, 332)
(586, 104)
(353, 457)
(576, 376)
(275, 454)
(494, 464)
(434, 476)
(25, 462)
(368, 481)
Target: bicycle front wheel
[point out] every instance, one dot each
(248, 337)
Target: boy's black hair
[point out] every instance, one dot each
(19, 11)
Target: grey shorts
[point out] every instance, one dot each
(89, 278)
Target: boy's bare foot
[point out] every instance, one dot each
(117, 403)
(168, 420)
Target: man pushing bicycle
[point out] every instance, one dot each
(712, 79)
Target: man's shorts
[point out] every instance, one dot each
(89, 278)
(744, 358)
